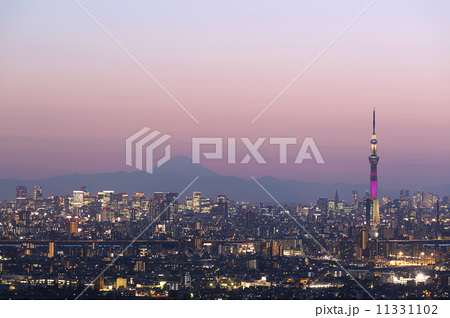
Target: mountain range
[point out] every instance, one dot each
(178, 172)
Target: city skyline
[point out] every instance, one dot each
(220, 151)
(110, 245)
(50, 246)
(178, 171)
(67, 108)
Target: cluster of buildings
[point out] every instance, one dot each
(199, 247)
(114, 246)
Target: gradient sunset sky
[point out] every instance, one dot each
(69, 96)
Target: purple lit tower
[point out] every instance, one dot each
(373, 159)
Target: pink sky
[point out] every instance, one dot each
(70, 96)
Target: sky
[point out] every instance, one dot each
(70, 95)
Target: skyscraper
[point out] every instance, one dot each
(78, 198)
(172, 201)
(37, 193)
(364, 242)
(437, 235)
(196, 201)
(222, 203)
(355, 197)
(158, 196)
(373, 159)
(85, 190)
(73, 226)
(21, 192)
(172, 197)
(51, 250)
(99, 283)
(323, 205)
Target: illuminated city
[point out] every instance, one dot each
(225, 150)
(207, 249)
(111, 245)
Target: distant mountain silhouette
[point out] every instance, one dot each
(177, 173)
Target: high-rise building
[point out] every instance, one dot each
(37, 193)
(121, 282)
(51, 249)
(158, 196)
(417, 199)
(323, 205)
(404, 194)
(137, 199)
(124, 199)
(107, 196)
(437, 229)
(331, 205)
(78, 197)
(21, 192)
(373, 159)
(222, 203)
(85, 190)
(165, 210)
(186, 279)
(364, 240)
(355, 198)
(99, 283)
(172, 198)
(73, 226)
(189, 205)
(205, 205)
(196, 201)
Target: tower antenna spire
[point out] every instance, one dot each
(374, 120)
